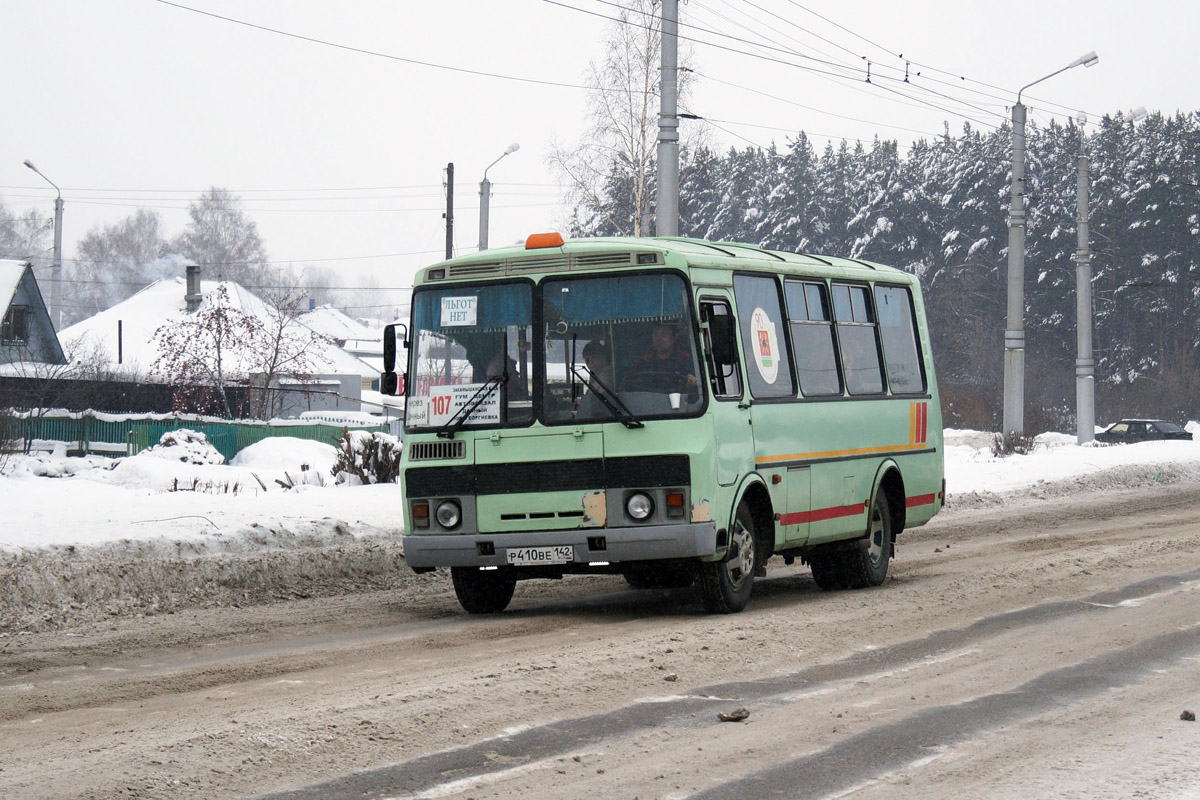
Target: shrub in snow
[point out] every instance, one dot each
(190, 447)
(1011, 442)
(367, 457)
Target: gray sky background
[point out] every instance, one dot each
(339, 155)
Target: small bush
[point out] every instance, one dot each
(10, 434)
(1009, 443)
(366, 457)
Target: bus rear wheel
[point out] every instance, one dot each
(483, 591)
(725, 586)
(867, 564)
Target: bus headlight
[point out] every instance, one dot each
(449, 514)
(639, 506)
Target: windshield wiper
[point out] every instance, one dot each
(468, 408)
(610, 400)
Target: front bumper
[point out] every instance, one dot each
(645, 543)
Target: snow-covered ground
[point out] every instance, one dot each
(281, 492)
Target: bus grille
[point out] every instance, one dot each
(435, 451)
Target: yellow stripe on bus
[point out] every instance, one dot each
(858, 451)
(912, 422)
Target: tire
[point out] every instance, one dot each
(483, 591)
(827, 571)
(725, 586)
(867, 564)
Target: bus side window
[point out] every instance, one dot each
(898, 332)
(724, 375)
(857, 339)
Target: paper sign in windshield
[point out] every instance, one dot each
(446, 401)
(458, 311)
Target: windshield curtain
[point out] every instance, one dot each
(463, 338)
(618, 346)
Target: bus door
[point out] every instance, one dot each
(733, 440)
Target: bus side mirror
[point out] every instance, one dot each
(720, 330)
(389, 348)
(389, 384)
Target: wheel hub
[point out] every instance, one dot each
(741, 565)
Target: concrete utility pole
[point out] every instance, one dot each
(485, 197)
(666, 216)
(1014, 332)
(56, 267)
(1085, 365)
(449, 215)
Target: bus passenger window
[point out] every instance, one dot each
(897, 329)
(857, 338)
(760, 318)
(724, 376)
(812, 338)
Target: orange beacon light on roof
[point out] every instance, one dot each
(539, 240)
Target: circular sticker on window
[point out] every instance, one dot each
(766, 345)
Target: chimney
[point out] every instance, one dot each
(193, 296)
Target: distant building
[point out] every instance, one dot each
(124, 338)
(26, 333)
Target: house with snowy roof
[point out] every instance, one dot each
(26, 332)
(123, 338)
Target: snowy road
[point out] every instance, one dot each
(1042, 653)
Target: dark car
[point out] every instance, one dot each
(1142, 430)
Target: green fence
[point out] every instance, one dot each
(86, 433)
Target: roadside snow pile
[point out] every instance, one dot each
(1056, 466)
(187, 446)
(283, 452)
(54, 465)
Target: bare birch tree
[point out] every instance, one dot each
(282, 347)
(611, 172)
(203, 352)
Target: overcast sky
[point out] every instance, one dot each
(339, 156)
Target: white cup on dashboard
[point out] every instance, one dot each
(675, 398)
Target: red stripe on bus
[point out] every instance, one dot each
(922, 421)
(918, 500)
(819, 514)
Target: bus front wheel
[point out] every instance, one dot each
(725, 586)
(483, 591)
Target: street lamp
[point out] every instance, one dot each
(1085, 364)
(485, 197)
(56, 267)
(1014, 332)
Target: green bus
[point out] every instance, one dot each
(672, 410)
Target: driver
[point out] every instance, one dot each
(668, 360)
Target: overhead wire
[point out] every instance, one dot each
(769, 58)
(375, 53)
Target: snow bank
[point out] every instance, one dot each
(87, 537)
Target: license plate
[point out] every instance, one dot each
(536, 556)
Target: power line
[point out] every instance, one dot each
(375, 53)
(773, 59)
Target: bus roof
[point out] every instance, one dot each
(599, 253)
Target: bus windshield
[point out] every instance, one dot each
(618, 347)
(471, 353)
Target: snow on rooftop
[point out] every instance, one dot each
(334, 324)
(162, 302)
(10, 277)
